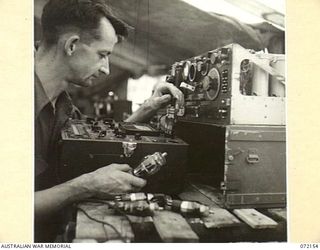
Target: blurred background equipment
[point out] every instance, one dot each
(112, 108)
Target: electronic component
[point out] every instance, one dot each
(188, 207)
(131, 197)
(150, 165)
(137, 208)
(161, 199)
(144, 204)
(169, 121)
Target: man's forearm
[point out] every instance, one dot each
(144, 113)
(53, 199)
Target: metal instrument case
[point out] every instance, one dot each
(247, 163)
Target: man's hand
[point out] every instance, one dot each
(103, 183)
(162, 95)
(112, 180)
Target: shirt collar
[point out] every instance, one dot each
(41, 98)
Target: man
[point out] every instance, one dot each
(78, 37)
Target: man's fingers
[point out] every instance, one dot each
(176, 93)
(165, 88)
(123, 167)
(136, 181)
(135, 189)
(164, 99)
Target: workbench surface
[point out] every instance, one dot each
(222, 225)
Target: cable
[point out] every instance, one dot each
(137, 9)
(110, 205)
(102, 222)
(148, 35)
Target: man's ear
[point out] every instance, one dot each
(70, 44)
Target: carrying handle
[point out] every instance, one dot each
(253, 157)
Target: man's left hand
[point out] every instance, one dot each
(162, 95)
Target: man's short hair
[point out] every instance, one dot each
(82, 14)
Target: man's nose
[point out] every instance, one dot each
(105, 68)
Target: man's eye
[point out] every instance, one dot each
(103, 56)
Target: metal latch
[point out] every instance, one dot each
(187, 86)
(231, 153)
(253, 156)
(128, 148)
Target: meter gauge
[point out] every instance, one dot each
(186, 69)
(203, 67)
(211, 84)
(193, 72)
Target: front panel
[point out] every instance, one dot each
(232, 85)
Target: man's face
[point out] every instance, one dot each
(90, 59)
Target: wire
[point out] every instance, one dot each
(148, 35)
(137, 9)
(102, 222)
(110, 205)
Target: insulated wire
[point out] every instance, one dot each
(103, 222)
(148, 33)
(110, 205)
(137, 4)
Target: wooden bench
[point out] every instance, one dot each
(221, 225)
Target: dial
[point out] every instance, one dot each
(211, 84)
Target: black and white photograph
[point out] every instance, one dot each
(160, 121)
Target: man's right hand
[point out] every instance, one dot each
(103, 183)
(112, 180)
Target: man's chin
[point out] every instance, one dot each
(90, 81)
(86, 83)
